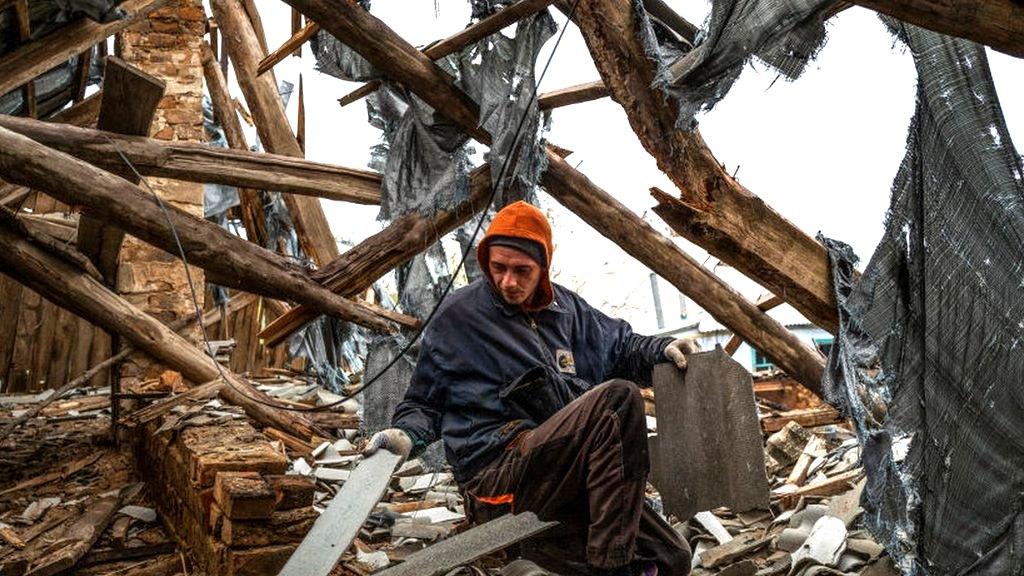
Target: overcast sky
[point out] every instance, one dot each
(822, 151)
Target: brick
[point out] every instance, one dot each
(244, 495)
(258, 561)
(292, 491)
(282, 527)
(167, 133)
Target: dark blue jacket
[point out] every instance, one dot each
(487, 370)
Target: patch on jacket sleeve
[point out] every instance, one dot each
(566, 363)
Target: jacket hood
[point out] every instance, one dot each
(521, 220)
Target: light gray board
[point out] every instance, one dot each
(709, 446)
(334, 530)
(472, 544)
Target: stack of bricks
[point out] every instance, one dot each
(223, 493)
(168, 46)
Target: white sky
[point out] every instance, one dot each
(822, 151)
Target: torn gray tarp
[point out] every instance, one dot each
(54, 88)
(45, 16)
(929, 359)
(785, 34)
(423, 158)
(217, 198)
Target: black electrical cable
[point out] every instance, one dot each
(412, 340)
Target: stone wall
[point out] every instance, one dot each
(168, 46)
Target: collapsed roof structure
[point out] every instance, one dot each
(103, 199)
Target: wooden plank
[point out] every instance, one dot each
(764, 304)
(229, 260)
(807, 417)
(710, 451)
(572, 95)
(781, 257)
(84, 113)
(335, 529)
(129, 104)
(196, 162)
(995, 23)
(78, 537)
(470, 545)
(292, 45)
(264, 101)
(82, 65)
(452, 44)
(28, 61)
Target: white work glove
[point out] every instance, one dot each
(677, 350)
(393, 440)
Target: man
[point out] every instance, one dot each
(534, 394)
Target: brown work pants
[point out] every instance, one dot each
(585, 467)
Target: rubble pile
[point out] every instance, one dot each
(69, 498)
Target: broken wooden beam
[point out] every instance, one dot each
(995, 23)
(228, 260)
(335, 529)
(261, 94)
(290, 46)
(131, 100)
(22, 65)
(358, 268)
(616, 222)
(195, 162)
(764, 304)
(572, 95)
(452, 44)
(794, 265)
(779, 256)
(67, 286)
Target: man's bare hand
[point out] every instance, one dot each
(393, 440)
(677, 350)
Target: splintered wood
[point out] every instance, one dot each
(709, 442)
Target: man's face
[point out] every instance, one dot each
(514, 273)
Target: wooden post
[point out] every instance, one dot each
(129, 104)
(616, 222)
(68, 287)
(264, 101)
(228, 260)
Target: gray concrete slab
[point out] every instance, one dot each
(471, 545)
(335, 529)
(709, 446)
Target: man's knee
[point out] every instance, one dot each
(623, 397)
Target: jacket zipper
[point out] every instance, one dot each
(540, 341)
